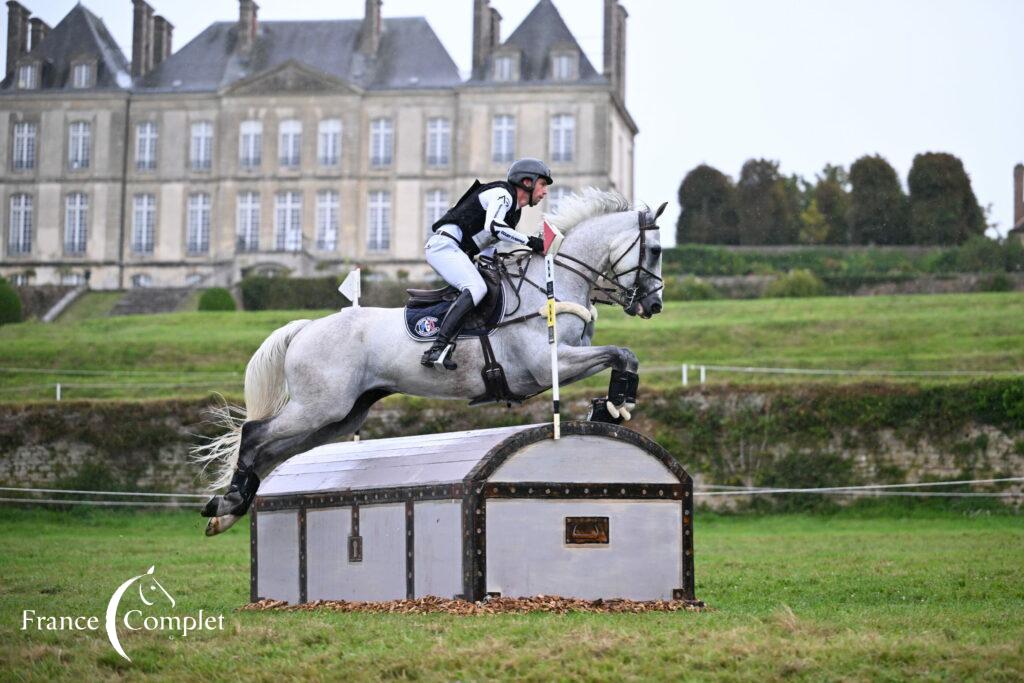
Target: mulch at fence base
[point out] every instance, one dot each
(431, 605)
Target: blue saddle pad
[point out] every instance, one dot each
(423, 322)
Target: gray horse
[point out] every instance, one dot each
(313, 381)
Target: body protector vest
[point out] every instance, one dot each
(470, 215)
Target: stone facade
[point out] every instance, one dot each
(156, 213)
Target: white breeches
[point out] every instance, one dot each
(452, 264)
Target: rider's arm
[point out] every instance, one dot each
(497, 204)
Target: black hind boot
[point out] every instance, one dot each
(238, 498)
(440, 353)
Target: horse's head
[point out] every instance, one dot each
(636, 265)
(151, 590)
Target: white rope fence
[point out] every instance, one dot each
(702, 372)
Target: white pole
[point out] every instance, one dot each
(703, 374)
(549, 276)
(686, 378)
(58, 391)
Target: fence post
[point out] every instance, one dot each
(686, 378)
(703, 374)
(58, 391)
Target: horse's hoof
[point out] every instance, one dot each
(218, 525)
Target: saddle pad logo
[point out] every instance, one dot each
(426, 326)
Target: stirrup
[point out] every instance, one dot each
(442, 359)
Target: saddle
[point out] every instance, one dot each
(426, 308)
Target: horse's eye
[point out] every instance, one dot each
(656, 251)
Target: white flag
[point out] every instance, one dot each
(350, 288)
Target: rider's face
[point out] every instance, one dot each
(540, 190)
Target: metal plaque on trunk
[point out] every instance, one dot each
(586, 530)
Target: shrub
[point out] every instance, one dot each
(217, 299)
(10, 304)
(689, 288)
(1000, 282)
(797, 283)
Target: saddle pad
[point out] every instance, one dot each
(423, 322)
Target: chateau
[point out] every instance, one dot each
(299, 147)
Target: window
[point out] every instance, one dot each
(81, 76)
(378, 236)
(198, 233)
(141, 281)
(21, 279)
(27, 76)
(201, 147)
(381, 142)
(503, 138)
(24, 146)
(439, 141)
(19, 235)
(562, 67)
(555, 197)
(250, 144)
(327, 220)
(193, 279)
(328, 142)
(563, 134)
(248, 228)
(70, 279)
(76, 218)
(79, 143)
(288, 222)
(143, 223)
(289, 143)
(503, 68)
(436, 205)
(145, 146)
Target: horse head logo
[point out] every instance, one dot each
(150, 590)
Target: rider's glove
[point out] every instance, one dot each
(535, 243)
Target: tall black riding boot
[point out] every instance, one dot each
(440, 353)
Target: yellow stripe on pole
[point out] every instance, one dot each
(551, 312)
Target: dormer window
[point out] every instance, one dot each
(503, 68)
(28, 76)
(564, 66)
(82, 75)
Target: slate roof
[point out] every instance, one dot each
(79, 33)
(410, 56)
(542, 30)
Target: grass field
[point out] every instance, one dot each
(963, 332)
(855, 596)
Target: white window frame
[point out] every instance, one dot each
(382, 142)
(143, 223)
(81, 75)
(197, 235)
(76, 223)
(248, 222)
(79, 145)
(289, 143)
(563, 66)
(19, 235)
(250, 144)
(201, 146)
(146, 138)
(563, 138)
(503, 69)
(439, 142)
(288, 221)
(328, 210)
(28, 76)
(24, 148)
(328, 145)
(435, 205)
(503, 138)
(142, 280)
(378, 221)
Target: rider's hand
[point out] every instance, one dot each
(535, 243)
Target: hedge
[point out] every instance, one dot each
(10, 304)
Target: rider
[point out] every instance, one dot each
(486, 213)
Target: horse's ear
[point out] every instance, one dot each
(661, 210)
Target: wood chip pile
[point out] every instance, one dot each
(431, 605)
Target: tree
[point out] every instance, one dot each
(832, 200)
(707, 201)
(943, 207)
(878, 207)
(763, 205)
(814, 228)
(10, 304)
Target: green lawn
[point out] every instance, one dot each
(855, 596)
(942, 332)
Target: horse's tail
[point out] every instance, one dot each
(266, 393)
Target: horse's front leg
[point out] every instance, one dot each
(578, 362)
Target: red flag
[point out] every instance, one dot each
(551, 236)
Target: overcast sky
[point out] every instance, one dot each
(806, 82)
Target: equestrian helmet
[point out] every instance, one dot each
(531, 168)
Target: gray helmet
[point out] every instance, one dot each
(531, 168)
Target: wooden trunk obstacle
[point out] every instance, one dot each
(603, 512)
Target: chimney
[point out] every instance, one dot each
(369, 34)
(162, 30)
(142, 38)
(247, 10)
(483, 25)
(495, 30)
(17, 33)
(1018, 194)
(615, 46)
(38, 30)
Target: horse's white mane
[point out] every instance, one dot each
(591, 202)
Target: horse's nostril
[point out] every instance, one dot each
(656, 307)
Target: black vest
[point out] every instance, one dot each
(469, 214)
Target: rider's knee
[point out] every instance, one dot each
(478, 291)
